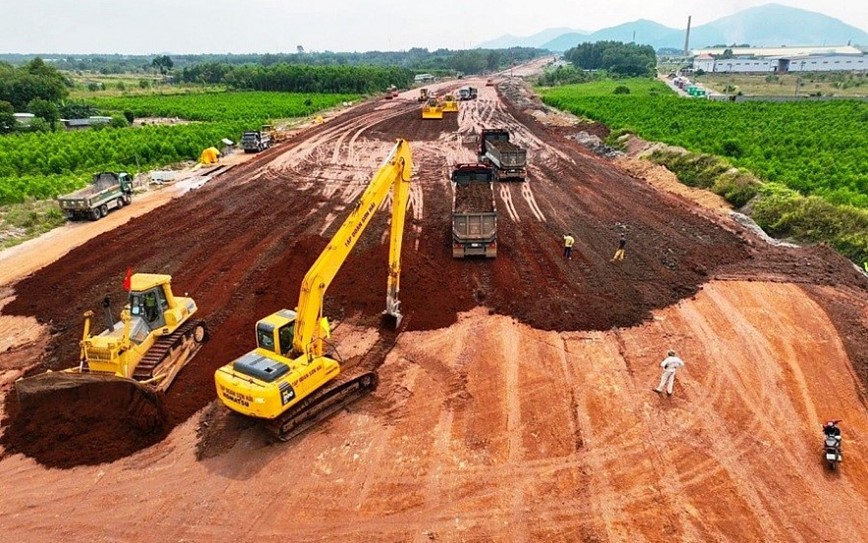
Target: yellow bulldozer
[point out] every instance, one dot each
(276, 135)
(153, 340)
(450, 104)
(432, 109)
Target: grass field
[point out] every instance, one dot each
(637, 86)
(43, 165)
(837, 84)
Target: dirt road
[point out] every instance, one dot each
(516, 404)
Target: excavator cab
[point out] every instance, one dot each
(423, 95)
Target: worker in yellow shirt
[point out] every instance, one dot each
(569, 240)
(619, 254)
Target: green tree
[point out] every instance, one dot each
(45, 110)
(7, 118)
(617, 57)
(118, 121)
(163, 63)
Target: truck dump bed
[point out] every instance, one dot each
(473, 198)
(100, 183)
(506, 154)
(474, 216)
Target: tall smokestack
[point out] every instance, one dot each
(687, 39)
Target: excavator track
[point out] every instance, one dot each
(167, 349)
(344, 390)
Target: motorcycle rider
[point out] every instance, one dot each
(831, 429)
(833, 438)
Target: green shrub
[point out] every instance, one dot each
(621, 89)
(738, 187)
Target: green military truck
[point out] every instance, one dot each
(107, 191)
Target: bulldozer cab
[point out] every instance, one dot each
(150, 306)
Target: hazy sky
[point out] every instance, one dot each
(244, 26)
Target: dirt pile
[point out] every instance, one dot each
(473, 197)
(69, 420)
(413, 127)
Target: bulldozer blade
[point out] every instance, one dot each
(93, 397)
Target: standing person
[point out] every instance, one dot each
(670, 365)
(619, 254)
(569, 240)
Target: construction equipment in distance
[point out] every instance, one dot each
(508, 160)
(106, 191)
(432, 109)
(254, 141)
(450, 104)
(289, 379)
(155, 338)
(274, 135)
(467, 93)
(391, 92)
(423, 95)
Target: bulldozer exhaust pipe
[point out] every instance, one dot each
(107, 312)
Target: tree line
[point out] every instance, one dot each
(626, 59)
(467, 61)
(299, 77)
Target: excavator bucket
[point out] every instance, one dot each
(89, 397)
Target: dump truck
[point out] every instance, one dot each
(474, 213)
(106, 191)
(467, 93)
(508, 160)
(255, 141)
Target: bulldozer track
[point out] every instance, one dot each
(146, 368)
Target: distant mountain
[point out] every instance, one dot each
(535, 40)
(762, 26)
(646, 32)
(773, 25)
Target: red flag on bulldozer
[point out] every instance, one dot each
(128, 280)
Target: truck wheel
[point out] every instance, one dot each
(103, 209)
(127, 199)
(95, 214)
(120, 203)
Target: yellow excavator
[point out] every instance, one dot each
(450, 104)
(432, 109)
(289, 379)
(423, 95)
(155, 338)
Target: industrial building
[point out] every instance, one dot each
(781, 59)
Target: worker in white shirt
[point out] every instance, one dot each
(670, 365)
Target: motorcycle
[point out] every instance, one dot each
(832, 444)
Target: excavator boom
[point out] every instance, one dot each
(288, 380)
(394, 174)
